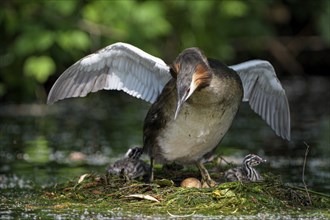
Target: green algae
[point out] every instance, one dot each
(92, 195)
(113, 196)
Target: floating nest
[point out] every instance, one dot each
(165, 197)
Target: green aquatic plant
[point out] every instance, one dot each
(164, 197)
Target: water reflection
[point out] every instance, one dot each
(46, 144)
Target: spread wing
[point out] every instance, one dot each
(265, 94)
(118, 66)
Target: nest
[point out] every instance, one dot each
(164, 197)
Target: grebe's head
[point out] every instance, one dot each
(192, 72)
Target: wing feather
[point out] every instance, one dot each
(265, 94)
(119, 66)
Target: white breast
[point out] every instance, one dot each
(196, 131)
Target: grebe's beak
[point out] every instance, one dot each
(183, 99)
(178, 107)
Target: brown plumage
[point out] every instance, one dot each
(184, 125)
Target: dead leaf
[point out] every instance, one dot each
(82, 177)
(141, 196)
(96, 192)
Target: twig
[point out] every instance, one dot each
(223, 159)
(310, 191)
(303, 173)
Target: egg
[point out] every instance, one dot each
(191, 183)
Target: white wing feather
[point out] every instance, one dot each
(265, 94)
(119, 66)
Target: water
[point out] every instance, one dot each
(43, 145)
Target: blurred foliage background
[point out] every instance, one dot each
(40, 39)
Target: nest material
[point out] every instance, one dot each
(165, 197)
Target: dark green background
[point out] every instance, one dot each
(40, 39)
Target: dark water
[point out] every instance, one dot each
(43, 145)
